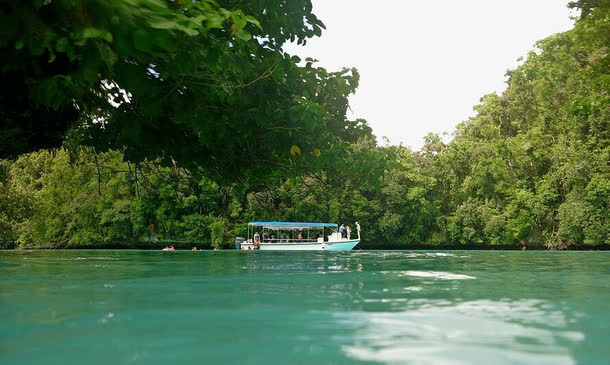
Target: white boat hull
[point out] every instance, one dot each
(343, 245)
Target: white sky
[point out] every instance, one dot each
(424, 64)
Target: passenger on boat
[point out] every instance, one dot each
(341, 230)
(349, 232)
(300, 237)
(265, 237)
(257, 241)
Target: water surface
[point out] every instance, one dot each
(455, 307)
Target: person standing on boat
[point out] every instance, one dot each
(265, 237)
(349, 232)
(358, 229)
(257, 241)
(341, 231)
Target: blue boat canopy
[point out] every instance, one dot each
(291, 225)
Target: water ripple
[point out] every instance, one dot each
(505, 332)
(437, 275)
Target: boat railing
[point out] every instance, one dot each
(289, 240)
(300, 240)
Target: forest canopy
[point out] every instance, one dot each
(201, 84)
(212, 125)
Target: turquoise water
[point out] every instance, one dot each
(104, 307)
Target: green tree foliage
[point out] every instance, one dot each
(523, 170)
(201, 84)
(217, 127)
(49, 200)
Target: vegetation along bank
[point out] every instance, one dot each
(212, 125)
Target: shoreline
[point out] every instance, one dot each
(157, 246)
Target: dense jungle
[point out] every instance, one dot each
(142, 122)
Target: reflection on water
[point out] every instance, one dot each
(437, 275)
(485, 331)
(276, 308)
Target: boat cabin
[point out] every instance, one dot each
(293, 232)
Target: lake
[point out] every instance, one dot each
(448, 307)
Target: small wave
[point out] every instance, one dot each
(386, 300)
(88, 258)
(105, 319)
(496, 331)
(437, 275)
(7, 264)
(439, 254)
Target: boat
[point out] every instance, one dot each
(296, 236)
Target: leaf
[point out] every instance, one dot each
(295, 150)
(191, 32)
(198, 20)
(254, 21)
(243, 35)
(239, 19)
(51, 56)
(95, 33)
(62, 44)
(215, 21)
(164, 24)
(168, 24)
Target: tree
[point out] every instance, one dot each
(199, 84)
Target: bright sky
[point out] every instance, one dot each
(424, 64)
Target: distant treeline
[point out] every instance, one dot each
(530, 169)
